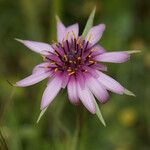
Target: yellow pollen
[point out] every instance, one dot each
(78, 40)
(71, 61)
(74, 35)
(79, 58)
(94, 49)
(71, 73)
(55, 69)
(69, 70)
(74, 62)
(91, 61)
(81, 46)
(45, 66)
(89, 56)
(67, 35)
(66, 59)
(62, 44)
(52, 63)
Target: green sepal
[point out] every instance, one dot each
(99, 114)
(89, 23)
(127, 92)
(41, 114)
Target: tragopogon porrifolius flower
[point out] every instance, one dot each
(75, 62)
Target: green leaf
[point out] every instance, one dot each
(41, 114)
(99, 114)
(89, 23)
(127, 92)
(133, 51)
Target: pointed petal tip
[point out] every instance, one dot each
(103, 26)
(42, 106)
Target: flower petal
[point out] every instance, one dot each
(95, 34)
(87, 98)
(72, 30)
(33, 79)
(110, 83)
(97, 50)
(50, 92)
(38, 47)
(40, 67)
(61, 31)
(72, 91)
(98, 90)
(114, 57)
(65, 79)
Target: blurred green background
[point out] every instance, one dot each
(64, 126)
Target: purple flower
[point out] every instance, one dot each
(76, 63)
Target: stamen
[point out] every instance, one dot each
(67, 35)
(93, 49)
(91, 61)
(46, 66)
(74, 35)
(65, 57)
(62, 44)
(55, 69)
(69, 70)
(71, 73)
(78, 40)
(52, 63)
(81, 46)
(79, 58)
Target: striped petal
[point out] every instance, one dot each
(38, 47)
(114, 57)
(72, 91)
(95, 34)
(87, 98)
(33, 79)
(40, 67)
(50, 92)
(72, 31)
(98, 90)
(61, 31)
(110, 84)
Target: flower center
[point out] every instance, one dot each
(72, 55)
